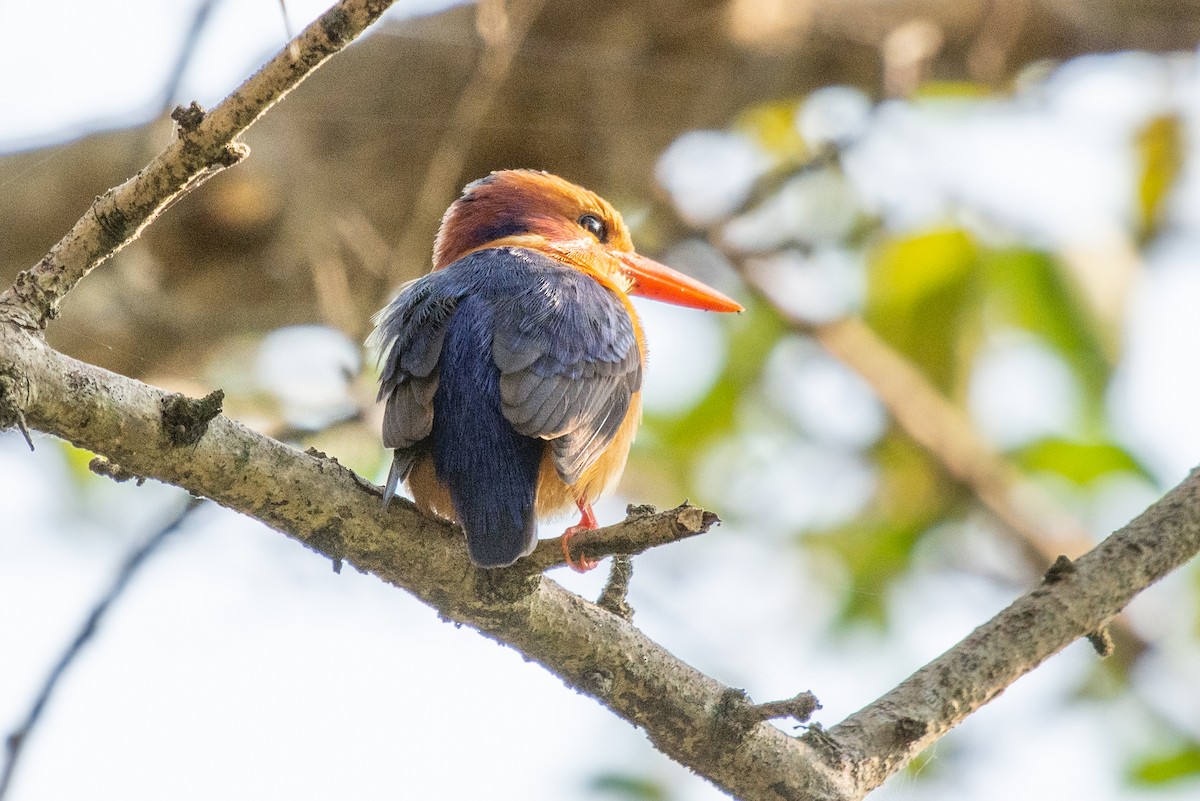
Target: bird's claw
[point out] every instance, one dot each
(587, 522)
(582, 564)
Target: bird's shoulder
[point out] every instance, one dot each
(519, 273)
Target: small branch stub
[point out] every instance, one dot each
(184, 419)
(189, 118)
(642, 530)
(1101, 639)
(1102, 642)
(1060, 570)
(103, 467)
(800, 707)
(613, 598)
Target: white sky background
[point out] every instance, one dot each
(238, 666)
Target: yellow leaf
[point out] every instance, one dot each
(1159, 148)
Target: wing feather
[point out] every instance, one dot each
(569, 361)
(409, 336)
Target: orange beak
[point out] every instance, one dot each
(659, 282)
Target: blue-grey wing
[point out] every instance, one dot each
(564, 346)
(409, 335)
(569, 362)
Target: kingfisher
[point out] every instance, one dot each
(512, 372)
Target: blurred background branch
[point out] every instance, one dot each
(19, 737)
(502, 28)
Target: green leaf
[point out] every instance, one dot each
(921, 295)
(1080, 462)
(1182, 763)
(773, 127)
(875, 552)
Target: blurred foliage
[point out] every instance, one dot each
(956, 90)
(673, 444)
(877, 547)
(921, 298)
(773, 126)
(624, 787)
(932, 293)
(940, 293)
(1174, 765)
(1031, 290)
(944, 293)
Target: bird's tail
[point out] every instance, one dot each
(493, 486)
(401, 463)
(497, 534)
(490, 470)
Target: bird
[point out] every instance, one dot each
(511, 373)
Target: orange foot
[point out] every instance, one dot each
(586, 523)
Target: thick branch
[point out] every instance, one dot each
(882, 737)
(687, 715)
(695, 720)
(202, 146)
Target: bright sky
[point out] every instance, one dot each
(99, 63)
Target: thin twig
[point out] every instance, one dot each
(503, 31)
(191, 40)
(203, 146)
(136, 558)
(642, 529)
(615, 596)
(800, 707)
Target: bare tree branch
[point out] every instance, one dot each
(502, 30)
(642, 530)
(689, 716)
(203, 145)
(883, 736)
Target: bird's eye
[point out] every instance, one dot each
(594, 226)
